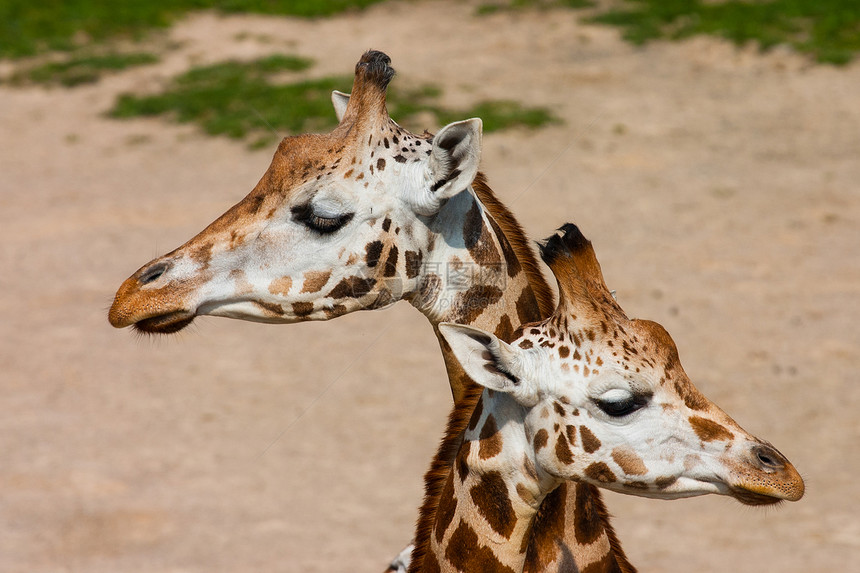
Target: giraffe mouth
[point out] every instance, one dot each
(164, 323)
(754, 498)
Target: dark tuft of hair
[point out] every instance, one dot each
(376, 67)
(567, 240)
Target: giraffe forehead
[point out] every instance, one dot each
(349, 156)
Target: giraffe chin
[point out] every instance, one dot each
(748, 497)
(165, 323)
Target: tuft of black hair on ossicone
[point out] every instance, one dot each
(375, 66)
(567, 240)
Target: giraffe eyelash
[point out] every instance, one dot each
(624, 407)
(305, 215)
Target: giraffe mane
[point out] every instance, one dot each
(440, 469)
(513, 231)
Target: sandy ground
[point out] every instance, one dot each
(720, 188)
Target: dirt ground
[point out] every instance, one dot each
(720, 188)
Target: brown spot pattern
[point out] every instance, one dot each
(478, 239)
(571, 434)
(547, 530)
(352, 287)
(665, 482)
(691, 396)
(465, 554)
(476, 414)
(540, 439)
(463, 461)
(315, 280)
(490, 444)
(708, 430)
(281, 286)
(586, 518)
(527, 307)
(562, 450)
(590, 443)
(505, 329)
(492, 500)
(446, 509)
(629, 462)
(431, 564)
(606, 564)
(335, 311)
(374, 251)
(512, 263)
(303, 308)
(599, 471)
(390, 267)
(471, 303)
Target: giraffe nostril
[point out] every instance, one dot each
(153, 273)
(768, 458)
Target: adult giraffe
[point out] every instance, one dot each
(355, 220)
(586, 395)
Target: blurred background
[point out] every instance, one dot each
(708, 149)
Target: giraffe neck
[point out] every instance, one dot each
(489, 503)
(572, 523)
(471, 273)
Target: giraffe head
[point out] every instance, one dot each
(607, 402)
(339, 222)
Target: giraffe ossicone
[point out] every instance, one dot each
(587, 395)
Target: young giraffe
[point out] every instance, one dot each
(355, 220)
(586, 395)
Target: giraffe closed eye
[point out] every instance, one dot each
(618, 403)
(321, 223)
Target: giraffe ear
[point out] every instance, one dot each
(453, 164)
(340, 101)
(455, 157)
(490, 362)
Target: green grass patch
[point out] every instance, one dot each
(30, 27)
(501, 114)
(828, 30)
(237, 99)
(508, 5)
(81, 69)
(246, 100)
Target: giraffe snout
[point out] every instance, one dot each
(143, 302)
(766, 477)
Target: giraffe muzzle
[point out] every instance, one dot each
(141, 303)
(767, 478)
